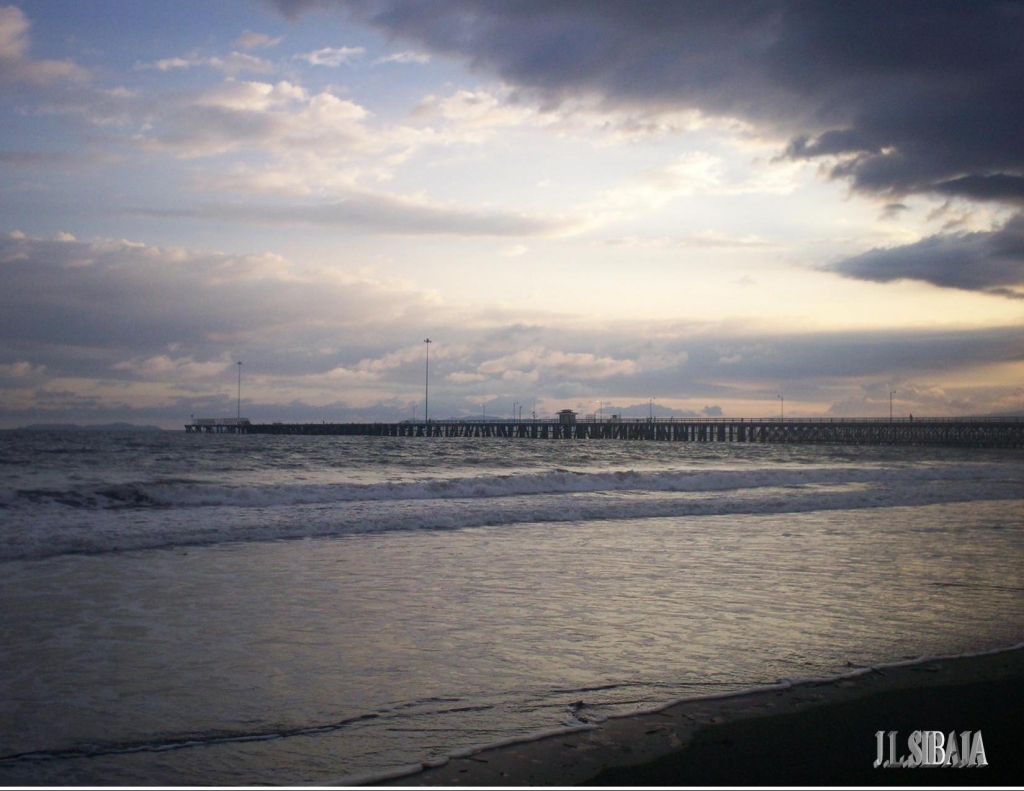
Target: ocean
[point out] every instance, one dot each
(237, 610)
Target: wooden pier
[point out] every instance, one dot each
(986, 432)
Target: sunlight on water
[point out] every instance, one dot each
(377, 650)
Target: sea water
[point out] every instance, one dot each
(188, 609)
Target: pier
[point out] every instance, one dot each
(985, 432)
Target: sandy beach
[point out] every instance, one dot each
(814, 733)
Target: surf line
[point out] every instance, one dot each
(573, 725)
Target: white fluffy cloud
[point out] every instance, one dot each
(332, 56)
(232, 64)
(536, 360)
(277, 119)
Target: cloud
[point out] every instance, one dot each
(901, 97)
(690, 174)
(21, 374)
(309, 139)
(36, 159)
(232, 65)
(275, 118)
(896, 99)
(986, 261)
(472, 116)
(811, 361)
(531, 363)
(332, 56)
(475, 115)
(111, 328)
(250, 40)
(129, 301)
(708, 239)
(382, 213)
(711, 239)
(15, 63)
(404, 57)
(311, 145)
(892, 211)
(179, 369)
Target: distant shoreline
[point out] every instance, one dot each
(77, 427)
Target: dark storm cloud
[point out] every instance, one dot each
(917, 96)
(1009, 189)
(984, 261)
(814, 359)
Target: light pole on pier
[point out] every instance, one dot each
(891, 394)
(426, 386)
(239, 415)
(782, 409)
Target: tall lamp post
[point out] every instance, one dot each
(239, 415)
(782, 409)
(891, 394)
(426, 386)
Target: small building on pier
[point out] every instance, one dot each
(218, 425)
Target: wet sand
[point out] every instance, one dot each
(817, 733)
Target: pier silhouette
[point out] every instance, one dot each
(988, 432)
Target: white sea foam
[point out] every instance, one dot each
(186, 493)
(293, 511)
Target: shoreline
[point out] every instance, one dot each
(803, 731)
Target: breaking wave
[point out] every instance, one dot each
(181, 513)
(187, 493)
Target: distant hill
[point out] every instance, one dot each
(76, 427)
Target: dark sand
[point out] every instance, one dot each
(810, 734)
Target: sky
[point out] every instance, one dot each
(690, 209)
